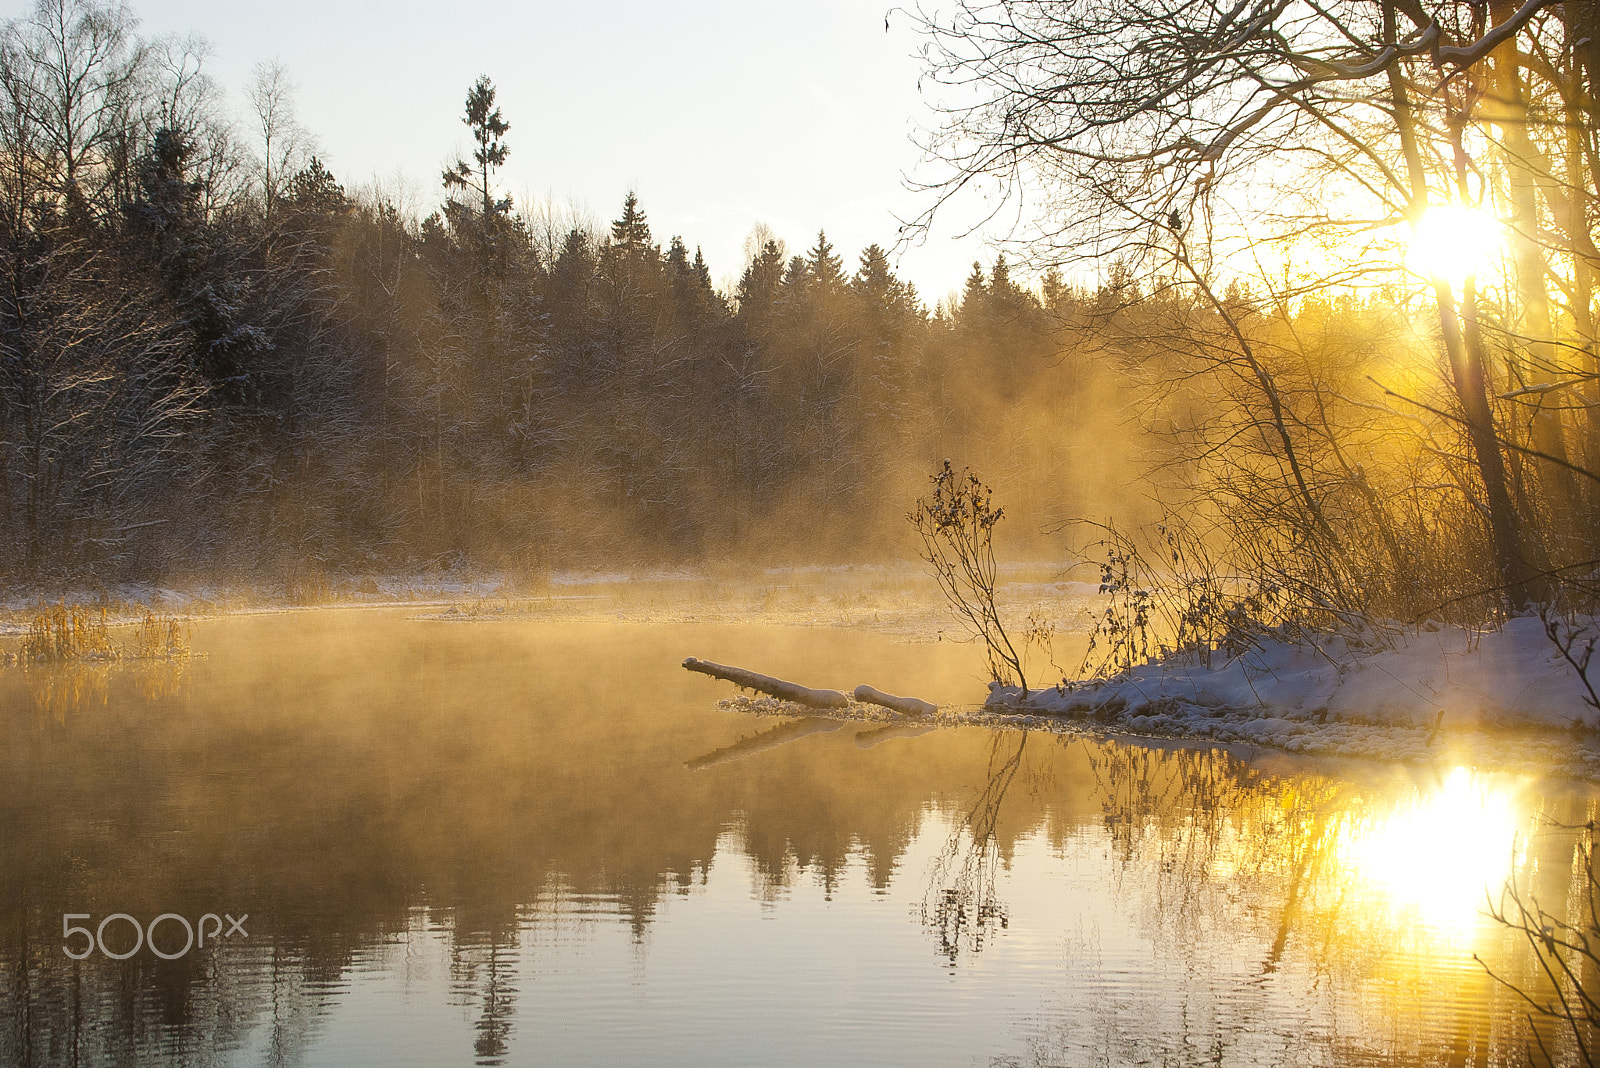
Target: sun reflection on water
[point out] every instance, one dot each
(1440, 855)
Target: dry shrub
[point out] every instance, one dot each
(956, 525)
(1170, 594)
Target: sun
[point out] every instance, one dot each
(1453, 242)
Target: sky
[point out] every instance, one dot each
(720, 114)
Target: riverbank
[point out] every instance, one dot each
(896, 598)
(1505, 694)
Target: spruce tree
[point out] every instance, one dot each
(488, 127)
(825, 268)
(631, 232)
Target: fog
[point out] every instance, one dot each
(424, 819)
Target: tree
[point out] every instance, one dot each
(757, 292)
(482, 353)
(1244, 158)
(487, 127)
(630, 232)
(285, 145)
(824, 268)
(73, 67)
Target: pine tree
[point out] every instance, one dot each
(631, 232)
(825, 268)
(488, 127)
(314, 189)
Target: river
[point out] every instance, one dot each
(542, 842)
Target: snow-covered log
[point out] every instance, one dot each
(786, 691)
(908, 706)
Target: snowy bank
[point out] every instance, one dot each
(1414, 698)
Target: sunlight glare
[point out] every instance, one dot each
(1453, 241)
(1440, 854)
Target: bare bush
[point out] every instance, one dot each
(1171, 594)
(1562, 998)
(956, 525)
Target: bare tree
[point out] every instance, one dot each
(285, 145)
(1260, 153)
(79, 62)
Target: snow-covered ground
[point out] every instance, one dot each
(1503, 697)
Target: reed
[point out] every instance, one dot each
(62, 632)
(160, 638)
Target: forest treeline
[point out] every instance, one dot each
(217, 357)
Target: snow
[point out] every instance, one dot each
(908, 706)
(751, 680)
(1504, 696)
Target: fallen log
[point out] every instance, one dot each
(908, 706)
(786, 691)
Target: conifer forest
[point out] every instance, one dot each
(217, 357)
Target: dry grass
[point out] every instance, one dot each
(159, 638)
(61, 632)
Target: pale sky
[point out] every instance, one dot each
(720, 114)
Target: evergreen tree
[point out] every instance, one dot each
(758, 286)
(168, 226)
(631, 231)
(974, 295)
(488, 127)
(313, 189)
(825, 269)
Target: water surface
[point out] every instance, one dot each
(532, 843)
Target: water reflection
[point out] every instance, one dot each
(1292, 913)
(1438, 853)
(514, 844)
(76, 686)
(962, 904)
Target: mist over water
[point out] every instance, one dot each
(525, 841)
